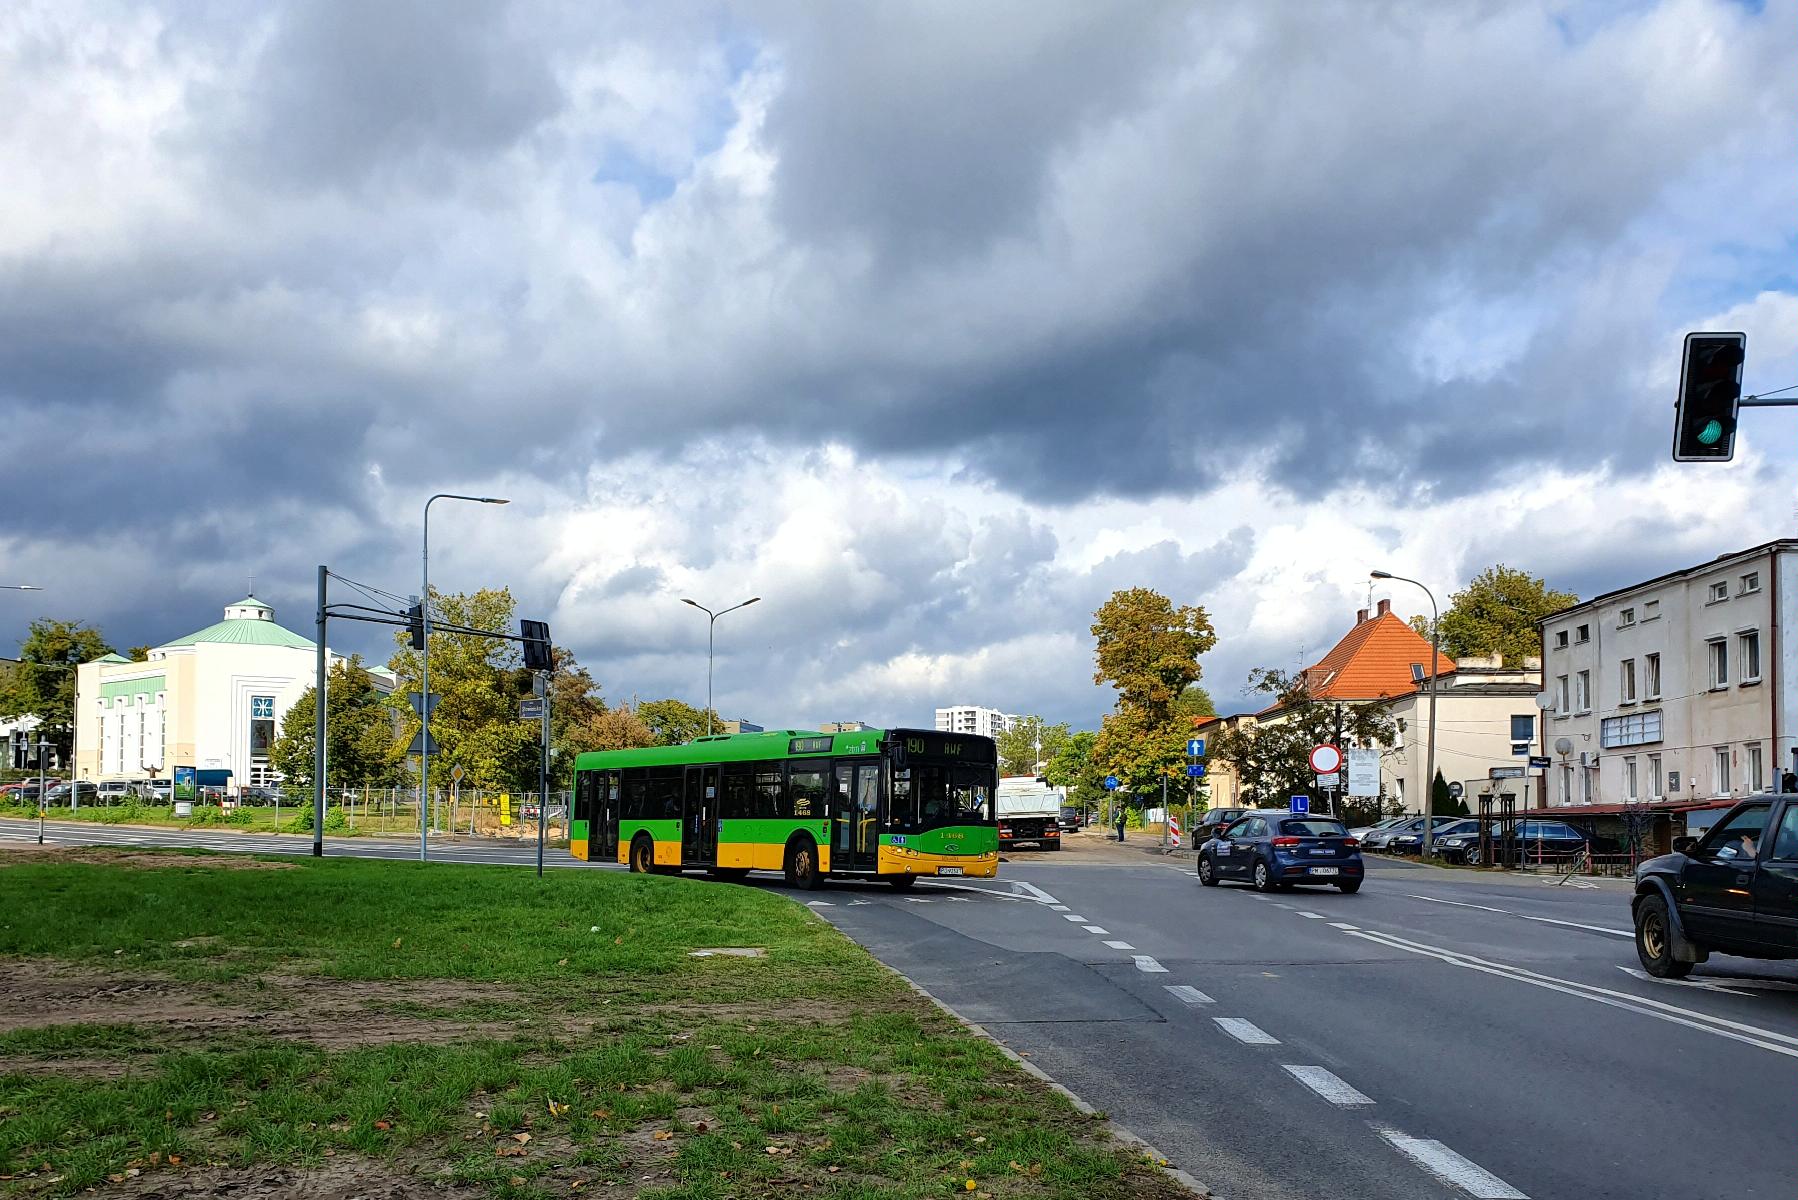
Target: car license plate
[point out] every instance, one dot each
(948, 870)
(1323, 870)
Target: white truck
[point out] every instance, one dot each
(1029, 810)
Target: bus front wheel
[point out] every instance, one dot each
(802, 865)
(643, 856)
(903, 882)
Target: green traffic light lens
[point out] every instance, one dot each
(1711, 434)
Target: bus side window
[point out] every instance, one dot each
(806, 792)
(586, 789)
(636, 797)
(738, 798)
(768, 791)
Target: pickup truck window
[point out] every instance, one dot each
(1738, 837)
(1785, 842)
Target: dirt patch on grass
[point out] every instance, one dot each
(13, 853)
(71, 1068)
(334, 1013)
(345, 1177)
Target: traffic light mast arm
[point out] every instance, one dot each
(1763, 402)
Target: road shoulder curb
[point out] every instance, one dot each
(1118, 1132)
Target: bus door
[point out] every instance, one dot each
(602, 818)
(699, 830)
(855, 809)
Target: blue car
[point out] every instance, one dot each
(1275, 850)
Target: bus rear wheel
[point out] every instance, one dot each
(643, 855)
(802, 865)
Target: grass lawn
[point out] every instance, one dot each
(195, 1025)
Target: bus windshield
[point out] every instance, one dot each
(932, 795)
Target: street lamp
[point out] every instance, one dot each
(710, 626)
(1429, 771)
(424, 674)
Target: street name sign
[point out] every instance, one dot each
(530, 710)
(1538, 762)
(1506, 772)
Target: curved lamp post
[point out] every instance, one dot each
(710, 626)
(424, 674)
(1429, 771)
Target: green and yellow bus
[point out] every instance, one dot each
(893, 804)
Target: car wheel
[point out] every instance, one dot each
(1472, 857)
(1350, 887)
(1654, 940)
(1264, 879)
(1207, 871)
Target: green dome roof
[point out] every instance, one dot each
(243, 632)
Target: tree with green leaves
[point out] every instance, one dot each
(42, 683)
(1272, 756)
(675, 722)
(1496, 613)
(1029, 741)
(359, 748)
(1195, 701)
(1073, 768)
(1442, 799)
(1148, 650)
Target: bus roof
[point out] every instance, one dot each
(736, 747)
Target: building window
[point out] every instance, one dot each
(1566, 785)
(1717, 651)
(1626, 618)
(1720, 771)
(1631, 729)
(1719, 592)
(1582, 692)
(1651, 610)
(1756, 781)
(1629, 779)
(1751, 582)
(1583, 634)
(262, 727)
(1561, 639)
(1651, 677)
(1585, 784)
(1748, 655)
(1561, 706)
(1523, 727)
(1654, 777)
(142, 725)
(1627, 682)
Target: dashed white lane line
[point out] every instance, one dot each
(1120, 945)
(1287, 907)
(1146, 964)
(908, 899)
(1327, 1085)
(1075, 919)
(1343, 925)
(1451, 1168)
(1312, 916)
(1189, 994)
(819, 904)
(1622, 933)
(1246, 1031)
(1098, 929)
(1058, 908)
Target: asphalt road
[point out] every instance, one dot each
(1435, 1035)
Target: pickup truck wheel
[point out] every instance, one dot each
(1654, 940)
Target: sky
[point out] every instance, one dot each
(930, 324)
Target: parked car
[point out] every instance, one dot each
(256, 795)
(1410, 841)
(1274, 850)
(1733, 891)
(160, 789)
(1382, 839)
(1213, 820)
(78, 792)
(1363, 832)
(1461, 845)
(1069, 818)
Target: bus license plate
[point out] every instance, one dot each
(948, 870)
(1323, 870)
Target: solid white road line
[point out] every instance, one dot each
(1098, 929)
(1189, 994)
(1149, 965)
(1073, 918)
(1701, 984)
(1327, 1085)
(1624, 933)
(1246, 1032)
(1737, 1031)
(1451, 1168)
(1040, 896)
(1120, 945)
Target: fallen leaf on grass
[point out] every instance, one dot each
(521, 1138)
(833, 1170)
(509, 1152)
(561, 962)
(601, 1113)
(396, 943)
(383, 1125)
(516, 1181)
(575, 1185)
(662, 1135)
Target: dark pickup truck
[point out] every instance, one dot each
(1732, 891)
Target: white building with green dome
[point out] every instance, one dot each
(212, 700)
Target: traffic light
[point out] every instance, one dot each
(1710, 385)
(415, 625)
(537, 656)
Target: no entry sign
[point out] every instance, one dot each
(1325, 759)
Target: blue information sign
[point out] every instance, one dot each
(1301, 804)
(1195, 747)
(1195, 769)
(1111, 783)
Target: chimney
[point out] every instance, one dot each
(1361, 616)
(1385, 607)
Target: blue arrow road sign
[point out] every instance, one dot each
(1195, 747)
(1301, 804)
(1195, 769)
(1111, 783)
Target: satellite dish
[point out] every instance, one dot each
(1544, 701)
(1563, 746)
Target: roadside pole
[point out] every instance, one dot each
(320, 698)
(542, 690)
(43, 798)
